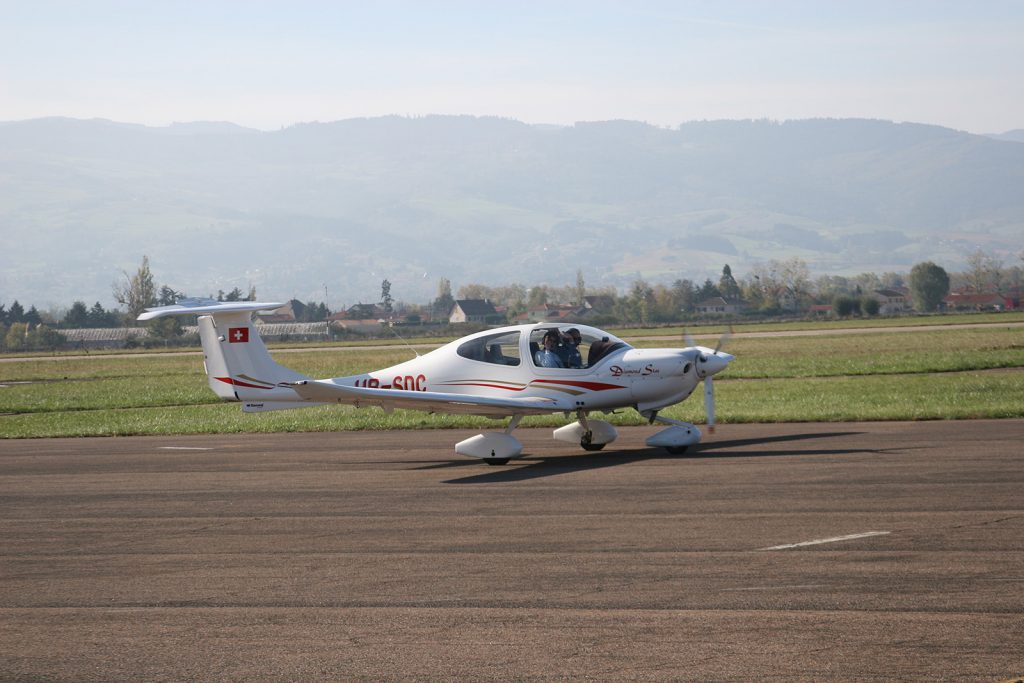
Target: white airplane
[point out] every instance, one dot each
(497, 373)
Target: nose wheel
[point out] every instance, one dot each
(677, 438)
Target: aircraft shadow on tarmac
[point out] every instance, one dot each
(534, 468)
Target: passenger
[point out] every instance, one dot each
(570, 350)
(548, 356)
(494, 355)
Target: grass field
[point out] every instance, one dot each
(934, 373)
(701, 329)
(938, 321)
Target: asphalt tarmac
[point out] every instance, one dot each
(862, 551)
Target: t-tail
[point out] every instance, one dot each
(238, 366)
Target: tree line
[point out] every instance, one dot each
(771, 289)
(22, 330)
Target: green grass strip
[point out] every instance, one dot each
(897, 397)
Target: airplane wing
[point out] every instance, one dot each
(325, 391)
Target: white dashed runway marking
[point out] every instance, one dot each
(834, 539)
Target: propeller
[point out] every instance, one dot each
(726, 336)
(709, 402)
(708, 363)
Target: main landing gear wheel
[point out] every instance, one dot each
(496, 461)
(676, 450)
(587, 442)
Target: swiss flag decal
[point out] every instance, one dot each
(238, 334)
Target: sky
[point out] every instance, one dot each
(269, 65)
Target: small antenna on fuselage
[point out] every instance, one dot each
(392, 328)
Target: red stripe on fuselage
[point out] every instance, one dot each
(481, 384)
(592, 386)
(240, 383)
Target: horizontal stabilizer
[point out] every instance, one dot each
(207, 307)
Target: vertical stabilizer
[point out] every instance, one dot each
(238, 365)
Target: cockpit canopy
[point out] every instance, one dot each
(506, 346)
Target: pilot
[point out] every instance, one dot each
(570, 350)
(547, 356)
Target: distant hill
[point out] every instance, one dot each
(349, 203)
(1010, 135)
(206, 128)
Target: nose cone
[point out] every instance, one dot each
(713, 363)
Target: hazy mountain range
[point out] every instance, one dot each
(349, 203)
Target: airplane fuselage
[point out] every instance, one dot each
(649, 379)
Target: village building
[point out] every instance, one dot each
(288, 313)
(892, 301)
(274, 317)
(974, 301)
(474, 311)
(103, 337)
(600, 304)
(365, 312)
(718, 305)
(319, 331)
(553, 313)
